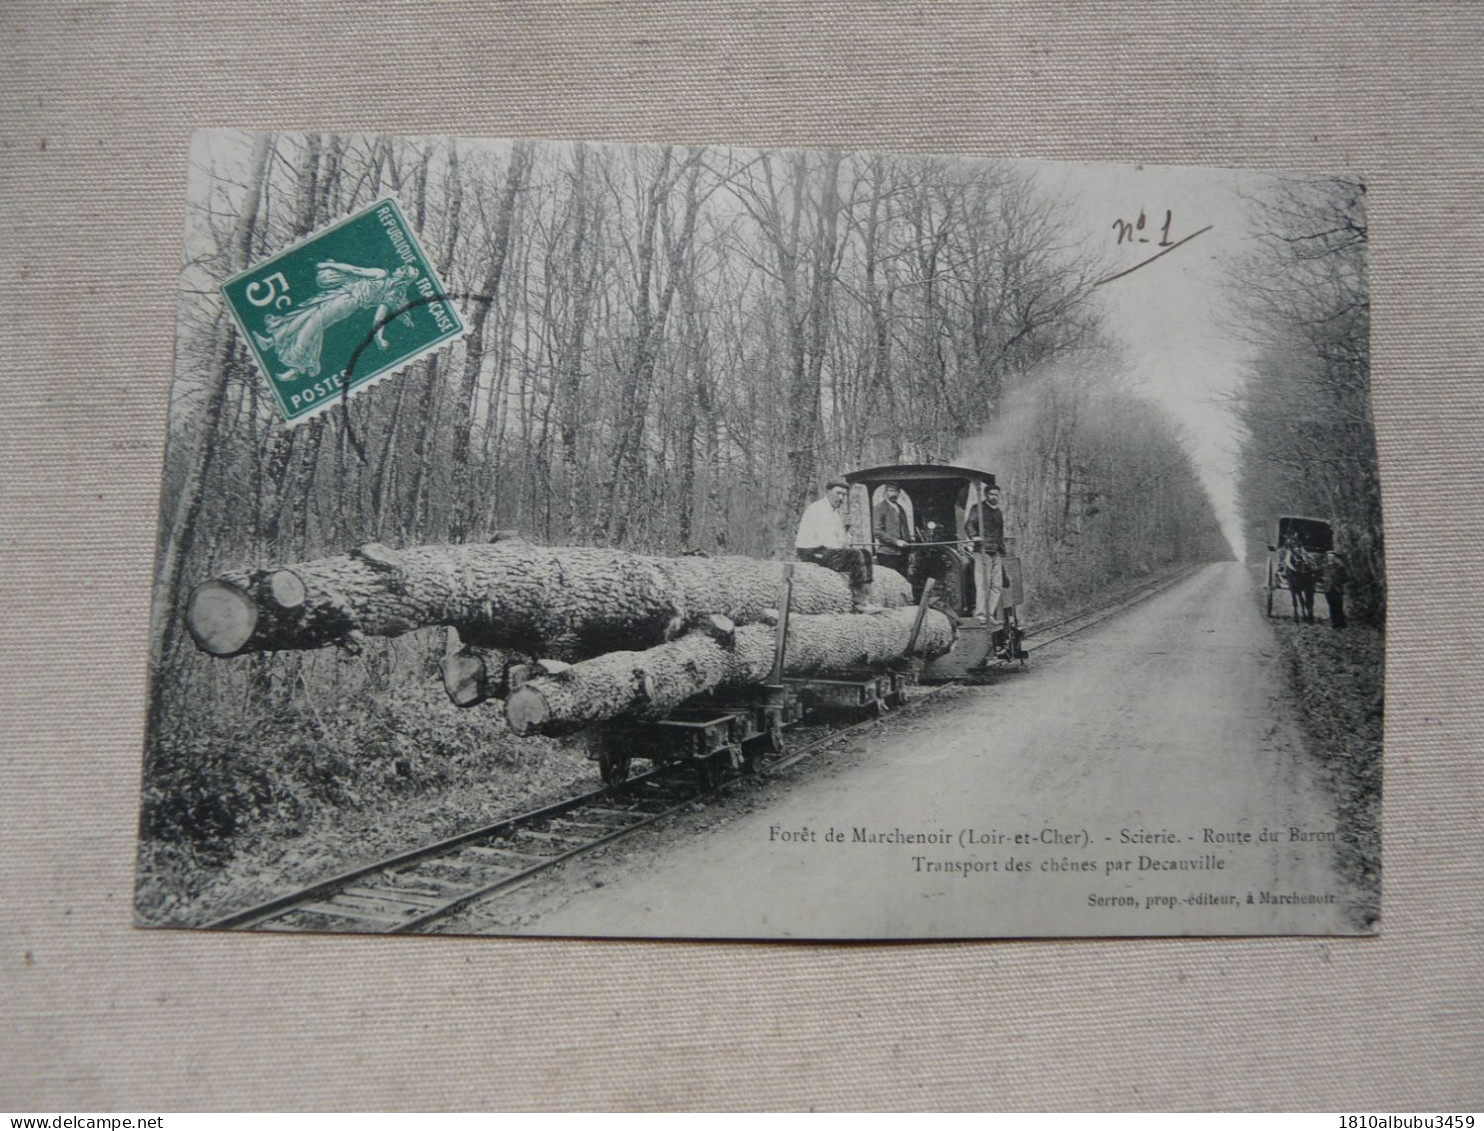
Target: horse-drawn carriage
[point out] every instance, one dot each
(1296, 559)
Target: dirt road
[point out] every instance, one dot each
(1145, 777)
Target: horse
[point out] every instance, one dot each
(1302, 574)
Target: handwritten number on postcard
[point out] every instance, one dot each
(1131, 233)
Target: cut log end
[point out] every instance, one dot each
(287, 589)
(465, 679)
(221, 617)
(526, 710)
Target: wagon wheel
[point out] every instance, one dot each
(772, 739)
(614, 768)
(752, 757)
(613, 762)
(1014, 637)
(709, 772)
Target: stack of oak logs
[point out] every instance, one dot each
(569, 636)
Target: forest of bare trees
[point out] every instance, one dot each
(1102, 486)
(669, 349)
(1309, 444)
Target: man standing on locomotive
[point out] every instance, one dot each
(987, 532)
(891, 531)
(821, 540)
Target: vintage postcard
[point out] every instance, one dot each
(711, 542)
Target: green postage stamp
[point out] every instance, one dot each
(353, 302)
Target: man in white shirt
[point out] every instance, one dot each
(821, 540)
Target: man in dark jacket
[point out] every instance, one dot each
(987, 533)
(890, 529)
(1335, 577)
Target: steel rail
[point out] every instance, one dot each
(1098, 615)
(273, 908)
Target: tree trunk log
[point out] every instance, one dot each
(567, 603)
(651, 682)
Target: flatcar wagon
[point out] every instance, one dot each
(717, 730)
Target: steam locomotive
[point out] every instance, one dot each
(938, 499)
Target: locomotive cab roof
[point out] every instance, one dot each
(919, 473)
(939, 493)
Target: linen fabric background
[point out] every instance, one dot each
(96, 105)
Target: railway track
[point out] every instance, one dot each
(413, 891)
(407, 892)
(1089, 617)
